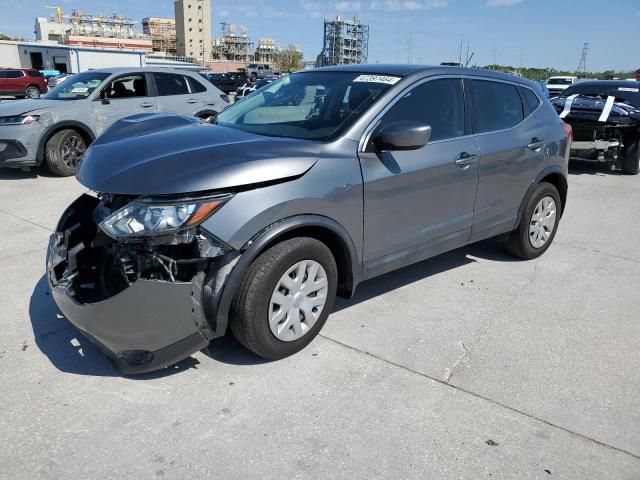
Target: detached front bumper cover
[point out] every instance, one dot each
(147, 326)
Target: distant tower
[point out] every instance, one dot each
(582, 67)
(193, 29)
(345, 42)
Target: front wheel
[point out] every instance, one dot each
(285, 298)
(32, 92)
(64, 151)
(631, 159)
(538, 225)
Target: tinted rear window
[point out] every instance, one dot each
(496, 106)
(170, 84)
(531, 99)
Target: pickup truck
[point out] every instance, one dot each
(255, 71)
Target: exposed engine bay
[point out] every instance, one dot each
(100, 267)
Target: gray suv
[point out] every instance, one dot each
(57, 128)
(317, 182)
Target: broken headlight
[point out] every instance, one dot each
(148, 217)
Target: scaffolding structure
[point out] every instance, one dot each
(101, 25)
(266, 51)
(162, 32)
(345, 42)
(234, 45)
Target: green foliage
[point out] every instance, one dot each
(289, 59)
(544, 73)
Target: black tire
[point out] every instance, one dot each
(63, 152)
(631, 158)
(32, 92)
(249, 320)
(208, 117)
(519, 242)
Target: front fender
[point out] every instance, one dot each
(222, 283)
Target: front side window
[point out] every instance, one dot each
(307, 105)
(127, 87)
(496, 106)
(438, 103)
(78, 86)
(171, 84)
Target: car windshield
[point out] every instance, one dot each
(307, 105)
(77, 87)
(559, 81)
(624, 93)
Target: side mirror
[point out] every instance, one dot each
(105, 98)
(402, 136)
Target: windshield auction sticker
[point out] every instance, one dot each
(377, 79)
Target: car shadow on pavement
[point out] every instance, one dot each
(70, 351)
(18, 174)
(577, 167)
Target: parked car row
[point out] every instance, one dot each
(58, 128)
(309, 186)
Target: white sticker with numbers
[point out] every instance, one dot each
(378, 79)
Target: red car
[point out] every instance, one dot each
(22, 82)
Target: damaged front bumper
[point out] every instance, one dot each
(145, 325)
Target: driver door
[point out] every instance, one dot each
(419, 203)
(122, 97)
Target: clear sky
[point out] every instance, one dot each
(538, 33)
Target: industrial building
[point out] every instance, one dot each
(234, 45)
(162, 32)
(85, 30)
(266, 50)
(193, 29)
(345, 42)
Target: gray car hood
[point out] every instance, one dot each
(18, 107)
(157, 154)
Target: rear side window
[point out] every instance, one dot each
(496, 106)
(438, 103)
(531, 99)
(196, 86)
(170, 84)
(14, 74)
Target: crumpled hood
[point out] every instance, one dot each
(158, 154)
(18, 107)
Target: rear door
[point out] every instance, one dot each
(122, 97)
(14, 82)
(175, 95)
(512, 142)
(426, 196)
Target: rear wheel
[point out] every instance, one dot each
(32, 92)
(285, 298)
(538, 225)
(631, 159)
(63, 151)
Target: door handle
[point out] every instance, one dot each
(535, 144)
(146, 105)
(465, 160)
(192, 100)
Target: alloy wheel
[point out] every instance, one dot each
(72, 151)
(542, 223)
(298, 300)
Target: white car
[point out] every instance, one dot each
(557, 85)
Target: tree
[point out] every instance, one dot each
(7, 37)
(289, 59)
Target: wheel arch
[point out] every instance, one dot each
(321, 228)
(556, 177)
(87, 135)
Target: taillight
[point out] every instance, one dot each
(568, 130)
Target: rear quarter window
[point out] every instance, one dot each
(35, 73)
(196, 86)
(496, 106)
(531, 99)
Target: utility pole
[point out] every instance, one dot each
(409, 49)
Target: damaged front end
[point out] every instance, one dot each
(133, 275)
